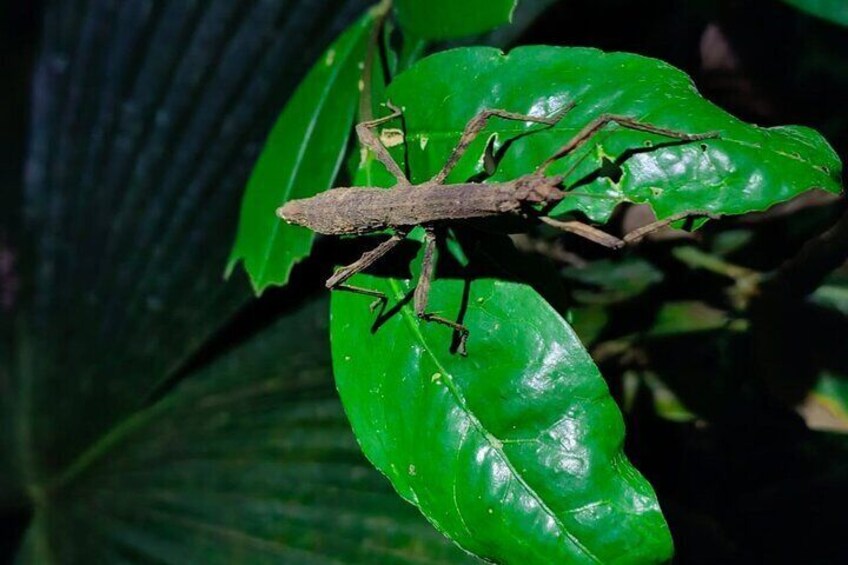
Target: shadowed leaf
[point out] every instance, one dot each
(251, 461)
(832, 10)
(444, 19)
(146, 119)
(513, 451)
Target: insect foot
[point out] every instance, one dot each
(456, 327)
(379, 303)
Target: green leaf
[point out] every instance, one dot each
(445, 19)
(252, 461)
(832, 10)
(666, 404)
(118, 445)
(514, 451)
(415, 407)
(748, 168)
(301, 157)
(139, 153)
(589, 322)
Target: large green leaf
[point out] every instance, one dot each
(138, 154)
(514, 451)
(747, 168)
(301, 157)
(250, 461)
(446, 19)
(471, 441)
(145, 120)
(832, 10)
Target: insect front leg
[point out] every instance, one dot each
(368, 139)
(478, 123)
(422, 291)
(336, 282)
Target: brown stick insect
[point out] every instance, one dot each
(434, 205)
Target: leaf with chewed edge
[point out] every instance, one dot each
(747, 168)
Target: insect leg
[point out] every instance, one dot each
(371, 141)
(478, 123)
(639, 233)
(607, 240)
(422, 291)
(599, 123)
(586, 231)
(336, 282)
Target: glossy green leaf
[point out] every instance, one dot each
(589, 322)
(251, 461)
(301, 157)
(514, 451)
(748, 168)
(832, 10)
(445, 19)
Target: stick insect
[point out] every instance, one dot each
(435, 205)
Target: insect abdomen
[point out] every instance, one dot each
(363, 210)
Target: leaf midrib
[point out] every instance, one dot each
(329, 85)
(414, 325)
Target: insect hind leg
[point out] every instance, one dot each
(422, 292)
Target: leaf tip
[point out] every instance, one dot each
(231, 265)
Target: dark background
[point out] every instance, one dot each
(756, 486)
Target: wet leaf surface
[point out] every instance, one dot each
(513, 451)
(747, 168)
